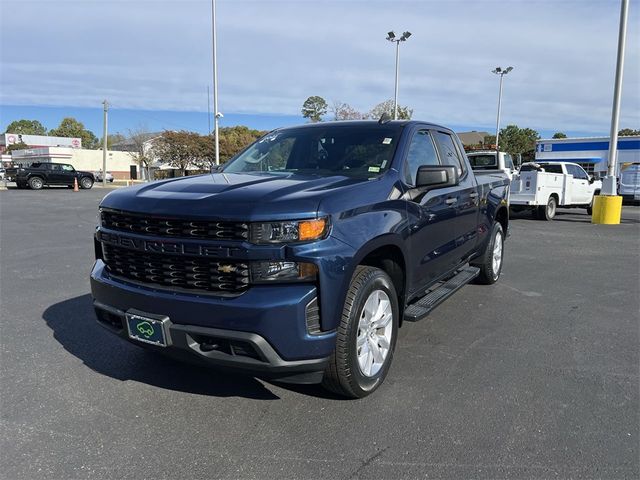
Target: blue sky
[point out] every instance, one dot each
(151, 59)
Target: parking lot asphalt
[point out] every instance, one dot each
(536, 376)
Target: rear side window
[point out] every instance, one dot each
(421, 152)
(448, 150)
(551, 168)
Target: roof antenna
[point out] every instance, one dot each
(384, 118)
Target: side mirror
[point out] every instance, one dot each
(216, 168)
(591, 179)
(437, 176)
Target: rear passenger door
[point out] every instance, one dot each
(436, 228)
(466, 195)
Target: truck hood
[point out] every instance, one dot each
(232, 196)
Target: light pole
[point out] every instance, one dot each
(607, 207)
(216, 114)
(502, 73)
(391, 36)
(609, 185)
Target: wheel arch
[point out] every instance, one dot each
(390, 258)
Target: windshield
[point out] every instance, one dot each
(482, 161)
(355, 151)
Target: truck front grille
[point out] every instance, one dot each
(173, 227)
(176, 271)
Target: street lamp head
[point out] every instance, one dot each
(405, 36)
(508, 70)
(391, 35)
(497, 71)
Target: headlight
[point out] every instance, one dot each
(287, 232)
(267, 272)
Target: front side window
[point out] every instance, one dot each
(67, 168)
(508, 161)
(579, 173)
(356, 151)
(449, 151)
(421, 152)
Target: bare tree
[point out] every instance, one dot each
(140, 150)
(344, 111)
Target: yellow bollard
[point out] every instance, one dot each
(607, 209)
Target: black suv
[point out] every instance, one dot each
(40, 174)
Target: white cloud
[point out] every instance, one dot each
(273, 54)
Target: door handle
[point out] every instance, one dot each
(451, 200)
(474, 195)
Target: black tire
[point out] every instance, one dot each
(86, 183)
(35, 183)
(489, 274)
(343, 374)
(548, 211)
(590, 206)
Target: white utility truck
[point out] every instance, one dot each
(544, 186)
(486, 161)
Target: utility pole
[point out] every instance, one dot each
(502, 73)
(216, 114)
(104, 144)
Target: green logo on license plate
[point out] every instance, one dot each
(145, 329)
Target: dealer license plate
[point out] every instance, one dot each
(146, 329)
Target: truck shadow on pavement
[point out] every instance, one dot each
(75, 328)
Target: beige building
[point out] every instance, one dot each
(118, 163)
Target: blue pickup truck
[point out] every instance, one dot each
(300, 259)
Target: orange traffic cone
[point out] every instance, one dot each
(75, 185)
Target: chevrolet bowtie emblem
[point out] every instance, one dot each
(226, 268)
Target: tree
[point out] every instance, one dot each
(235, 139)
(516, 140)
(26, 127)
(344, 111)
(140, 150)
(627, 132)
(70, 127)
(314, 108)
(17, 146)
(559, 135)
(180, 149)
(112, 139)
(404, 113)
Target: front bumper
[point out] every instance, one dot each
(262, 332)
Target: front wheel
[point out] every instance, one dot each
(366, 336)
(491, 260)
(86, 183)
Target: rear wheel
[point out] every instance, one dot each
(548, 211)
(491, 261)
(86, 183)
(366, 336)
(35, 183)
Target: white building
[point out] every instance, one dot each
(591, 153)
(35, 141)
(118, 163)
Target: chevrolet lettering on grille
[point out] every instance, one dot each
(157, 246)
